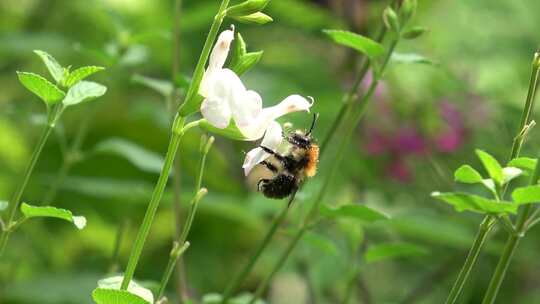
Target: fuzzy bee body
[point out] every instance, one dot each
(280, 175)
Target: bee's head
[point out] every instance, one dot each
(302, 139)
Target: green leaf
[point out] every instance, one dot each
(382, 252)
(30, 211)
(56, 70)
(246, 8)
(475, 203)
(83, 91)
(468, 175)
(108, 291)
(3, 205)
(40, 86)
(414, 32)
(491, 165)
(357, 42)
(527, 195)
(231, 131)
(115, 296)
(248, 61)
(411, 58)
(241, 60)
(321, 243)
(140, 157)
(509, 173)
(356, 211)
(256, 18)
(80, 74)
(524, 163)
(163, 87)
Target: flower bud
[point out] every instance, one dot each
(408, 9)
(246, 8)
(391, 20)
(256, 18)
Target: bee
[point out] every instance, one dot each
(281, 175)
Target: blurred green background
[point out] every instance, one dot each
(425, 121)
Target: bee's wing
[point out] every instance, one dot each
(259, 172)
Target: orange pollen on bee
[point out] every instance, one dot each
(313, 160)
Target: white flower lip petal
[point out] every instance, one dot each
(272, 139)
(293, 103)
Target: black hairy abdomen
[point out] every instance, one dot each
(280, 186)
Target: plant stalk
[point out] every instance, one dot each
(312, 213)
(16, 199)
(517, 143)
(240, 277)
(178, 130)
(154, 202)
(511, 246)
(181, 245)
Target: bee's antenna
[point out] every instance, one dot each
(315, 117)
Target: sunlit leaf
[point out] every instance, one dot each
(83, 91)
(40, 86)
(382, 252)
(114, 284)
(475, 203)
(527, 195)
(36, 211)
(3, 205)
(491, 165)
(360, 43)
(356, 211)
(467, 174)
(140, 157)
(411, 58)
(509, 173)
(162, 87)
(524, 163)
(56, 70)
(115, 296)
(80, 74)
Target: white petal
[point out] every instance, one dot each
(272, 140)
(217, 112)
(216, 61)
(290, 104)
(221, 50)
(246, 108)
(273, 136)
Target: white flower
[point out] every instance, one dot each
(227, 98)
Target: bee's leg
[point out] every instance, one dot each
(269, 166)
(261, 181)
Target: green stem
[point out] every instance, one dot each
(262, 286)
(472, 256)
(312, 213)
(176, 254)
(511, 246)
(178, 129)
(154, 202)
(516, 148)
(240, 277)
(16, 199)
